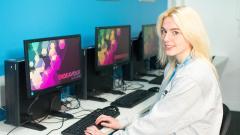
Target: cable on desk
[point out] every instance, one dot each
(56, 128)
(41, 119)
(50, 109)
(61, 124)
(17, 127)
(82, 111)
(72, 108)
(29, 113)
(12, 130)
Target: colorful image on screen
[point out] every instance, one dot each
(112, 45)
(150, 41)
(53, 62)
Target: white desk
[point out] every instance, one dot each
(86, 104)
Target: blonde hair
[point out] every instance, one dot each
(192, 29)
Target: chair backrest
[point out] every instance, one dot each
(226, 121)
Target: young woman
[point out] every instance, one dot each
(193, 103)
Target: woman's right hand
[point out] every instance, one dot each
(108, 121)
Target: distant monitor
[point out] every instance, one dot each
(150, 41)
(52, 63)
(112, 49)
(112, 46)
(144, 55)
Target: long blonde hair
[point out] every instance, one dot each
(192, 28)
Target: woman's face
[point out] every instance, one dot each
(174, 44)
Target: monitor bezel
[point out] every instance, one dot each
(56, 87)
(98, 67)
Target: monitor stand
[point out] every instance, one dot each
(61, 114)
(39, 127)
(27, 121)
(34, 125)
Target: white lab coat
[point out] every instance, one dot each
(193, 105)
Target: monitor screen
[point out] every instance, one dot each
(112, 45)
(150, 41)
(52, 63)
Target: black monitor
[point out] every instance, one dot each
(50, 64)
(150, 42)
(144, 56)
(112, 46)
(112, 50)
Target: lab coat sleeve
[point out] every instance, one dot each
(176, 111)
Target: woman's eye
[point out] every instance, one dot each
(175, 33)
(163, 31)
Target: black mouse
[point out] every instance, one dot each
(154, 89)
(99, 99)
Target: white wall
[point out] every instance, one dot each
(222, 21)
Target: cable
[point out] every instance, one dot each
(64, 120)
(55, 122)
(30, 106)
(50, 109)
(16, 127)
(12, 130)
(42, 119)
(51, 104)
(72, 108)
(56, 128)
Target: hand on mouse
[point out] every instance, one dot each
(108, 121)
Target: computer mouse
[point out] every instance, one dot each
(99, 99)
(154, 89)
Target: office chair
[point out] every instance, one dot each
(226, 121)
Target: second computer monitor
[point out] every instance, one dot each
(112, 46)
(150, 42)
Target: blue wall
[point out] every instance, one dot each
(27, 19)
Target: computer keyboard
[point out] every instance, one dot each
(79, 127)
(133, 98)
(157, 80)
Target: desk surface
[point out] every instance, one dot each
(55, 122)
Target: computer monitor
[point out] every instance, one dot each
(144, 54)
(112, 46)
(112, 49)
(150, 43)
(52, 63)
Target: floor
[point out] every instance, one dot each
(235, 124)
